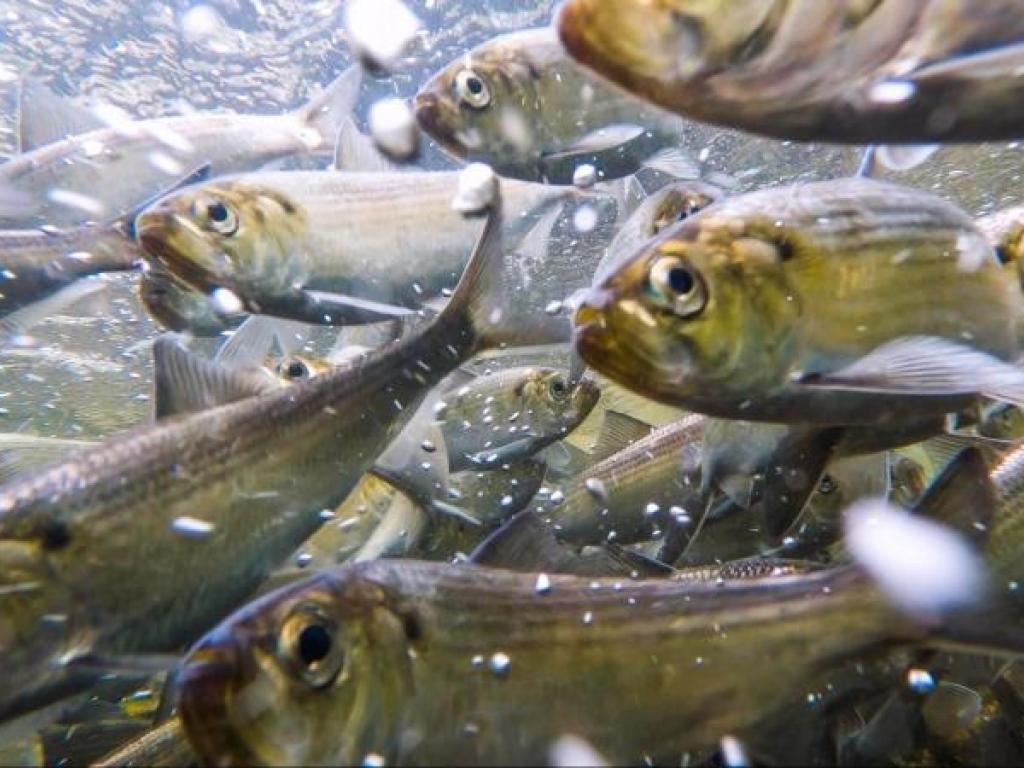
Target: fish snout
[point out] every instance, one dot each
(427, 108)
(209, 681)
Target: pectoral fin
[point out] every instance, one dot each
(925, 365)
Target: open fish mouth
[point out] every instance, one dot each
(430, 114)
(156, 234)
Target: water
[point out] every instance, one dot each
(87, 373)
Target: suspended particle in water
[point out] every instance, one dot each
(380, 30)
(478, 189)
(192, 528)
(500, 664)
(394, 129)
(543, 585)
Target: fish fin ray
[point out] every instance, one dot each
(927, 365)
(327, 111)
(618, 432)
(186, 383)
(45, 117)
(674, 162)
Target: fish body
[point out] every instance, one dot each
(410, 654)
(753, 308)
(610, 500)
(519, 104)
(278, 239)
(35, 264)
(117, 168)
(139, 544)
(896, 71)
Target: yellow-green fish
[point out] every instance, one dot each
(848, 71)
(842, 302)
(428, 664)
(521, 105)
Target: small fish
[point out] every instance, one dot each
(893, 72)
(325, 248)
(840, 302)
(630, 494)
(511, 414)
(205, 504)
(519, 104)
(669, 205)
(79, 164)
(394, 658)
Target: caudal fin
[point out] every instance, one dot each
(327, 111)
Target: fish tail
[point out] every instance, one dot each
(327, 111)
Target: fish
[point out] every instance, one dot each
(325, 247)
(669, 205)
(511, 414)
(725, 313)
(176, 307)
(35, 264)
(519, 104)
(79, 164)
(632, 493)
(889, 72)
(393, 659)
(206, 504)
(1005, 231)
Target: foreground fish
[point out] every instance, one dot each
(177, 307)
(840, 302)
(79, 165)
(519, 104)
(426, 664)
(325, 247)
(847, 71)
(97, 551)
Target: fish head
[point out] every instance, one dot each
(552, 405)
(664, 49)
(480, 106)
(231, 234)
(702, 312)
(313, 674)
(295, 368)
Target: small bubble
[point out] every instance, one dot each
(543, 585)
(651, 509)
(192, 528)
(499, 664)
(733, 753)
(373, 760)
(588, 618)
(585, 219)
(554, 308)
(303, 559)
(596, 488)
(557, 497)
(920, 681)
(585, 176)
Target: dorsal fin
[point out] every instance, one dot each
(962, 496)
(618, 432)
(45, 117)
(187, 383)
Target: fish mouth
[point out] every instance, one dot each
(207, 684)
(430, 114)
(157, 233)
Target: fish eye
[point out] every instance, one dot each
(294, 370)
(676, 285)
(559, 388)
(218, 216)
(827, 485)
(311, 647)
(472, 90)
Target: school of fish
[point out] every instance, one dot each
(577, 450)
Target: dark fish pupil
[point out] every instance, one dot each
(314, 644)
(217, 212)
(475, 86)
(680, 280)
(296, 370)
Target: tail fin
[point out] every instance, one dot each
(326, 112)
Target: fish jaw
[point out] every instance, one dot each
(613, 340)
(438, 117)
(171, 240)
(207, 683)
